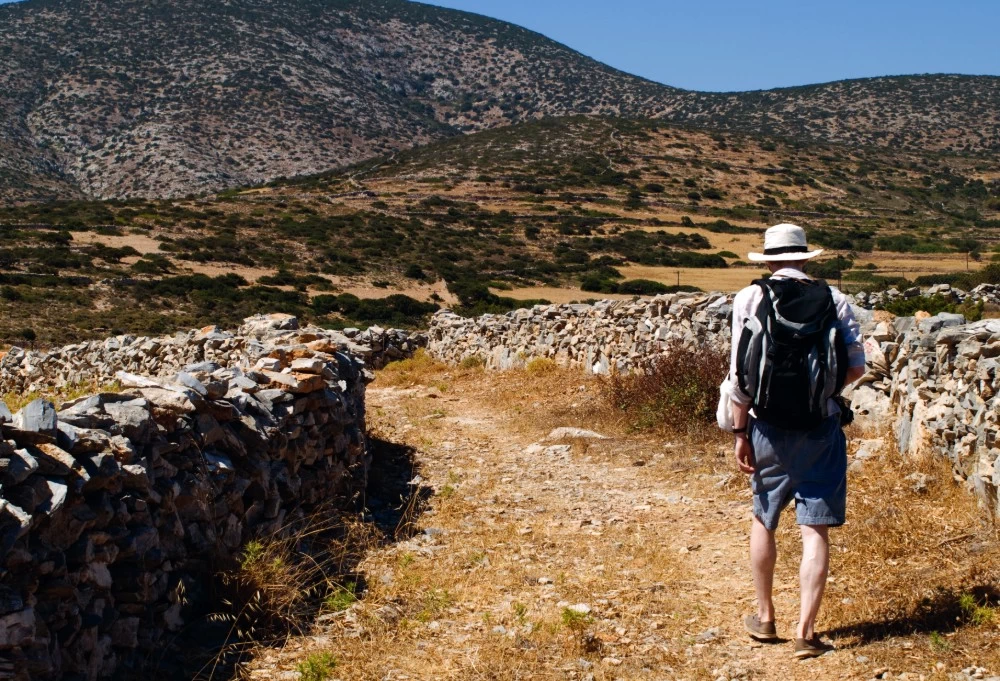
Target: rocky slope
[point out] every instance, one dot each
(122, 98)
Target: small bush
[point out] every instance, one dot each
(472, 362)
(342, 597)
(316, 667)
(575, 620)
(414, 271)
(642, 287)
(831, 268)
(677, 392)
(975, 612)
(539, 366)
(593, 283)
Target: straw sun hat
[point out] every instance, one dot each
(784, 243)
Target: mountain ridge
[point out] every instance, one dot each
(122, 98)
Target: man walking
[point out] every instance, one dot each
(796, 344)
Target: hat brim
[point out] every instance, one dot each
(783, 257)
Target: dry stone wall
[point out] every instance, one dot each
(114, 506)
(608, 335)
(97, 362)
(934, 380)
(987, 293)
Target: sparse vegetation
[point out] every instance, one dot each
(676, 392)
(280, 584)
(554, 217)
(973, 311)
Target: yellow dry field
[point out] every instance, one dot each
(912, 265)
(140, 242)
(211, 269)
(725, 280)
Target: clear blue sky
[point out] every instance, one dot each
(745, 45)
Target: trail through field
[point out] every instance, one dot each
(560, 555)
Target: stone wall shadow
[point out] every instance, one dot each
(395, 497)
(943, 613)
(209, 649)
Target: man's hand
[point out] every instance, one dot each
(744, 455)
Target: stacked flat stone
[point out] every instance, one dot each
(608, 335)
(114, 505)
(987, 293)
(97, 362)
(937, 381)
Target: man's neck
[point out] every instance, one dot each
(791, 272)
(791, 265)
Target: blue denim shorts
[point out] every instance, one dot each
(807, 466)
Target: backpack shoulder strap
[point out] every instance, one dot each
(765, 310)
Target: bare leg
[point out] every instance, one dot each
(763, 555)
(812, 575)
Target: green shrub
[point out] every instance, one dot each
(341, 597)
(724, 227)
(831, 268)
(316, 667)
(414, 271)
(642, 287)
(395, 310)
(152, 263)
(907, 307)
(639, 287)
(472, 362)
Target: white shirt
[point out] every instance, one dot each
(745, 305)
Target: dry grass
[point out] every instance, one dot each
(463, 598)
(915, 572)
(916, 543)
(416, 370)
(558, 295)
(16, 401)
(280, 584)
(676, 392)
(727, 280)
(492, 580)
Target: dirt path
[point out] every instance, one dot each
(569, 558)
(606, 526)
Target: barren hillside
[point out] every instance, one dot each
(124, 98)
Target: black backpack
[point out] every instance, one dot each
(791, 358)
